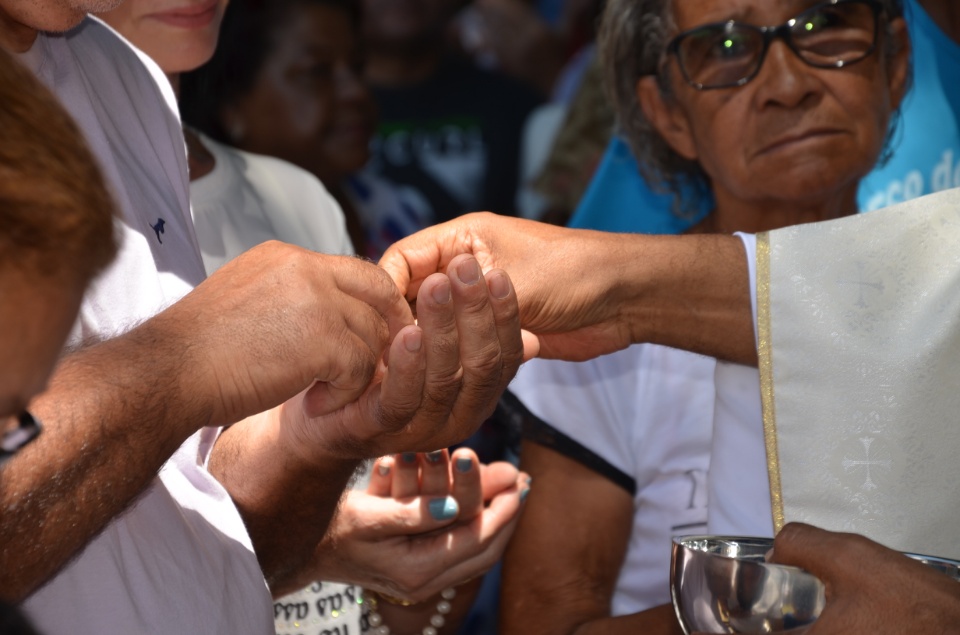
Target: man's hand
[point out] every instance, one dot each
(869, 588)
(277, 320)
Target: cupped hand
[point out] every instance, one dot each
(426, 522)
(441, 380)
(869, 588)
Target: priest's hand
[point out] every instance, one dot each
(869, 588)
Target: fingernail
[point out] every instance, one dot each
(409, 457)
(499, 286)
(441, 292)
(464, 464)
(435, 457)
(412, 341)
(469, 271)
(443, 508)
(529, 480)
(383, 469)
(523, 494)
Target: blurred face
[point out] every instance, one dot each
(179, 35)
(403, 23)
(793, 132)
(308, 104)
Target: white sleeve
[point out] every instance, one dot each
(750, 246)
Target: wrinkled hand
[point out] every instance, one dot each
(869, 588)
(426, 522)
(563, 290)
(441, 380)
(278, 320)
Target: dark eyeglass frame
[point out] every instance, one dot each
(13, 441)
(769, 34)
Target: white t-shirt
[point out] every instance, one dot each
(645, 413)
(248, 199)
(179, 560)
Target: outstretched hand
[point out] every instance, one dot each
(869, 588)
(563, 285)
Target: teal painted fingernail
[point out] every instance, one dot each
(464, 464)
(444, 508)
(435, 457)
(409, 457)
(523, 494)
(529, 480)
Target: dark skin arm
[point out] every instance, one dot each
(558, 577)
(585, 293)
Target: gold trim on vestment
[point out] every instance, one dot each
(764, 351)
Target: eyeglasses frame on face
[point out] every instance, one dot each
(769, 34)
(13, 441)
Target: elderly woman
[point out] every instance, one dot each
(777, 123)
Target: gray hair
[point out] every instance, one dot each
(632, 39)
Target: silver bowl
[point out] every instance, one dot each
(722, 584)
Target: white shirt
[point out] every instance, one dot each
(179, 560)
(647, 411)
(248, 199)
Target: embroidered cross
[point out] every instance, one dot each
(866, 463)
(861, 284)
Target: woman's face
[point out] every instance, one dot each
(794, 132)
(179, 35)
(308, 104)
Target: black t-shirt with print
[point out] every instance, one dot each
(455, 138)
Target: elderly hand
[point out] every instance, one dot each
(425, 523)
(278, 320)
(869, 588)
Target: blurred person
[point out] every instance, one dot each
(286, 81)
(447, 128)
(136, 414)
(57, 235)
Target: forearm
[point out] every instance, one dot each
(689, 292)
(113, 414)
(286, 503)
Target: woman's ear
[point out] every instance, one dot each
(898, 66)
(667, 118)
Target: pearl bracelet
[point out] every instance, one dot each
(437, 620)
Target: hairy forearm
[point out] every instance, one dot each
(112, 416)
(286, 503)
(689, 292)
